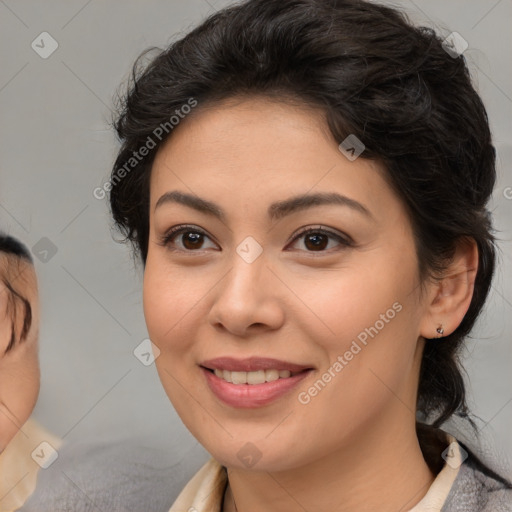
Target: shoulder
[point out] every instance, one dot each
(20, 462)
(478, 489)
(124, 475)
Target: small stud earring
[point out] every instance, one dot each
(440, 331)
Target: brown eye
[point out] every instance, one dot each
(317, 239)
(186, 238)
(192, 240)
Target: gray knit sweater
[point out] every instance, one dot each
(475, 491)
(121, 477)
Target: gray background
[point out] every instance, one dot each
(56, 147)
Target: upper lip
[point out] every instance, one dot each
(251, 364)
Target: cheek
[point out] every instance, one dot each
(170, 310)
(354, 302)
(167, 298)
(172, 299)
(367, 325)
(20, 381)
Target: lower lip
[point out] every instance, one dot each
(251, 395)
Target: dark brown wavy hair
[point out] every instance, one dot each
(374, 75)
(17, 304)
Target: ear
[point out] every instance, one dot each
(450, 296)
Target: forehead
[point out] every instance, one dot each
(255, 149)
(228, 132)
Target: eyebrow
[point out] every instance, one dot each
(276, 210)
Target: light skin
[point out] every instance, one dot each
(353, 447)
(19, 367)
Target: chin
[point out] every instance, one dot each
(259, 455)
(7, 432)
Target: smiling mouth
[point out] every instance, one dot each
(252, 378)
(252, 382)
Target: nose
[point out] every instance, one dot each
(247, 300)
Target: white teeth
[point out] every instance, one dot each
(257, 377)
(239, 377)
(271, 375)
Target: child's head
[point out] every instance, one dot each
(19, 325)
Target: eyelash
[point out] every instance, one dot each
(166, 239)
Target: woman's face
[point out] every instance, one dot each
(344, 306)
(19, 367)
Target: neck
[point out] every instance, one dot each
(379, 469)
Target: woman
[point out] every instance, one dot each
(306, 185)
(22, 453)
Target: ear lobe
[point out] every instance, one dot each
(452, 293)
